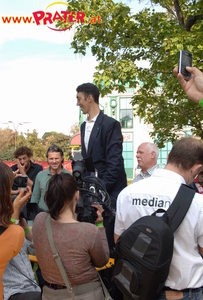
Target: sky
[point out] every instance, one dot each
(39, 72)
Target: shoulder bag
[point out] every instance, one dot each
(61, 267)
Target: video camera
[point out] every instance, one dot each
(91, 190)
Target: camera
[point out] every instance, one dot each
(91, 190)
(185, 60)
(22, 182)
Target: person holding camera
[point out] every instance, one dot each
(18, 278)
(11, 234)
(194, 86)
(23, 167)
(81, 246)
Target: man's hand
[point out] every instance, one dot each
(193, 87)
(21, 169)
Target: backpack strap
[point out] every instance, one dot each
(2, 229)
(179, 206)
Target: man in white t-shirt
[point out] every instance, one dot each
(158, 191)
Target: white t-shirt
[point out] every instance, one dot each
(146, 196)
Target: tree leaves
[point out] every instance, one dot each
(124, 40)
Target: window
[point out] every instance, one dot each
(126, 113)
(163, 153)
(128, 158)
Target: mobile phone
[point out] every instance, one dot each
(185, 60)
(22, 182)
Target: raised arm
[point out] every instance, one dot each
(193, 87)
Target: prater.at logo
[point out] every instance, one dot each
(67, 17)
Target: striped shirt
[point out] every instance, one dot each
(142, 175)
(13, 279)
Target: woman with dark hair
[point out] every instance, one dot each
(81, 246)
(11, 235)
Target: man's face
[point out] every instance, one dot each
(24, 160)
(54, 160)
(83, 102)
(144, 158)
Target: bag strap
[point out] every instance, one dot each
(57, 258)
(179, 206)
(106, 293)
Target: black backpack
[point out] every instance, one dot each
(144, 250)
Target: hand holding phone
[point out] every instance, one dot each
(185, 60)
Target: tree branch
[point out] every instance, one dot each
(191, 20)
(179, 13)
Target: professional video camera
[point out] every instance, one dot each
(91, 190)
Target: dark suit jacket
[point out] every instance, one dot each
(105, 147)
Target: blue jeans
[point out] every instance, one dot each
(191, 294)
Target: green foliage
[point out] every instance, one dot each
(59, 139)
(124, 40)
(31, 140)
(7, 140)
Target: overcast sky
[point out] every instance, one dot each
(39, 72)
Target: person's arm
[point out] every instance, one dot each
(119, 226)
(100, 252)
(38, 168)
(116, 236)
(36, 195)
(28, 230)
(19, 201)
(193, 87)
(113, 155)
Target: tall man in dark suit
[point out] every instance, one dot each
(102, 139)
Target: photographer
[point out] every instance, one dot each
(11, 235)
(18, 278)
(25, 166)
(81, 246)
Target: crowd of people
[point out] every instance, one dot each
(83, 246)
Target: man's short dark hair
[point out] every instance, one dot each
(54, 148)
(89, 89)
(186, 152)
(23, 150)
